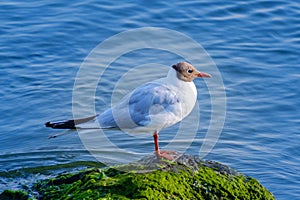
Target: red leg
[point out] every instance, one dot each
(163, 154)
(155, 137)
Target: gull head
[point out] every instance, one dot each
(187, 72)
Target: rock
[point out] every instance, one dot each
(13, 195)
(187, 177)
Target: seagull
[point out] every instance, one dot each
(149, 108)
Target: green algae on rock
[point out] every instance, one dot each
(186, 178)
(14, 195)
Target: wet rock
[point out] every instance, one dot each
(187, 177)
(13, 195)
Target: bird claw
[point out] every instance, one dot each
(167, 154)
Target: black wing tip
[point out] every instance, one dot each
(49, 124)
(70, 124)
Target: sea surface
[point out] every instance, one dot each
(254, 49)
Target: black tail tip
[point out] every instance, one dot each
(48, 124)
(69, 124)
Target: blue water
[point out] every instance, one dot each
(255, 45)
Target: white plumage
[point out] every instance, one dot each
(150, 107)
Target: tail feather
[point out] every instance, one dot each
(69, 124)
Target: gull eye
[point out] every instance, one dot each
(189, 71)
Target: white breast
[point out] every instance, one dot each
(186, 91)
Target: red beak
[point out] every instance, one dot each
(203, 75)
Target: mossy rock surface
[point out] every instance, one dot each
(153, 178)
(13, 195)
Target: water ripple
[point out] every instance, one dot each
(255, 44)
